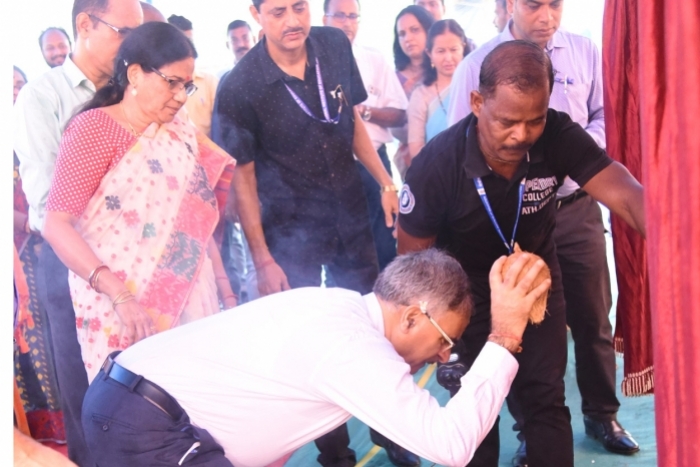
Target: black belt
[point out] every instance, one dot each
(140, 385)
(571, 198)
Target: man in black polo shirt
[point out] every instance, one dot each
(286, 113)
(490, 181)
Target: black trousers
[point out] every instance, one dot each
(581, 251)
(70, 369)
(582, 257)
(384, 240)
(539, 384)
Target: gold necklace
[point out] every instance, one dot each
(133, 132)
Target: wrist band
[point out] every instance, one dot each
(221, 278)
(387, 188)
(92, 278)
(233, 295)
(265, 263)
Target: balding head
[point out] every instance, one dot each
(520, 64)
(151, 13)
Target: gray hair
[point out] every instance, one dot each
(429, 275)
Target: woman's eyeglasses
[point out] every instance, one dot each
(177, 85)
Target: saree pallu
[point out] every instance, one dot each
(150, 221)
(33, 358)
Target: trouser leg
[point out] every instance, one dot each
(124, 429)
(538, 386)
(70, 369)
(384, 241)
(581, 251)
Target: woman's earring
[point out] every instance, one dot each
(134, 92)
(432, 64)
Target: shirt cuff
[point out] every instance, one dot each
(496, 364)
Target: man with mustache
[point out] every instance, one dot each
(42, 111)
(489, 182)
(287, 114)
(579, 235)
(240, 39)
(55, 46)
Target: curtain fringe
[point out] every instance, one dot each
(639, 384)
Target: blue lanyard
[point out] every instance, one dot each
(485, 200)
(324, 103)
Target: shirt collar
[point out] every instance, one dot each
(374, 312)
(75, 75)
(273, 72)
(556, 41)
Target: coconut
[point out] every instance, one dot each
(540, 306)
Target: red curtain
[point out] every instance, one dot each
(652, 65)
(623, 134)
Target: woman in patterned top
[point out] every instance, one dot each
(135, 199)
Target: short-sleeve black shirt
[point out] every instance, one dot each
(304, 168)
(440, 198)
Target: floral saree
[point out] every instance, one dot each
(150, 221)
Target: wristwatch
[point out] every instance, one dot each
(366, 113)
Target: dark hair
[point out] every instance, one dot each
(48, 30)
(20, 72)
(441, 27)
(180, 22)
(503, 3)
(151, 45)
(326, 4)
(90, 7)
(257, 3)
(522, 64)
(239, 23)
(426, 20)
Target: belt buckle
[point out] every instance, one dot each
(107, 366)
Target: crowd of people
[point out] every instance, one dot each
(151, 195)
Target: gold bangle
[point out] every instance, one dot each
(122, 297)
(96, 279)
(387, 188)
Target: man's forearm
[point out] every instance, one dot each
(246, 190)
(387, 117)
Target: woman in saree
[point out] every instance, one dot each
(410, 35)
(34, 370)
(427, 109)
(135, 199)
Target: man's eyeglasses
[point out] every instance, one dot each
(123, 32)
(448, 344)
(340, 16)
(177, 85)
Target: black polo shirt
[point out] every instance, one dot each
(305, 170)
(440, 198)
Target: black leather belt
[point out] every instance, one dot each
(571, 198)
(140, 385)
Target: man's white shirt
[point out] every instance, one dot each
(382, 86)
(268, 377)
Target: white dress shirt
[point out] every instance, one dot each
(383, 89)
(43, 108)
(578, 84)
(268, 377)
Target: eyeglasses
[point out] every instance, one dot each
(448, 344)
(340, 16)
(123, 32)
(177, 85)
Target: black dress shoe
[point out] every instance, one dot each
(520, 458)
(397, 455)
(611, 435)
